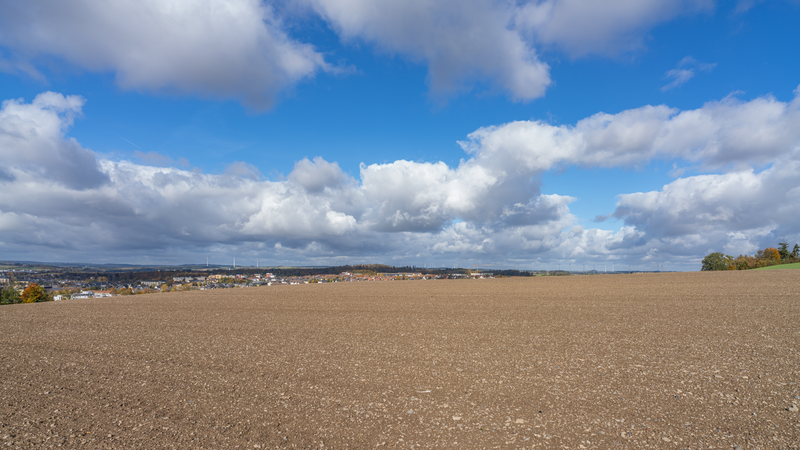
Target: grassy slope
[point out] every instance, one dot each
(781, 266)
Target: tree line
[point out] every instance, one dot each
(770, 256)
(32, 294)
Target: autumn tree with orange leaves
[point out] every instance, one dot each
(34, 294)
(769, 253)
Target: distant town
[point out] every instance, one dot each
(74, 282)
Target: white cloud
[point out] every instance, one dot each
(685, 71)
(461, 41)
(318, 174)
(142, 208)
(608, 27)
(740, 243)
(240, 49)
(679, 77)
(738, 211)
(474, 41)
(62, 199)
(32, 138)
(720, 134)
(232, 49)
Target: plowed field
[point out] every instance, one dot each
(685, 360)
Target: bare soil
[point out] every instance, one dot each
(685, 360)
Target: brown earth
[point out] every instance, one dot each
(685, 360)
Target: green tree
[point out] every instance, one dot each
(783, 250)
(34, 294)
(716, 261)
(796, 251)
(8, 295)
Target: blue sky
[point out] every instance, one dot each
(523, 135)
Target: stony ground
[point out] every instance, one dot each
(691, 360)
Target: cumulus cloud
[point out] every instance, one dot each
(233, 49)
(32, 138)
(137, 207)
(738, 211)
(720, 134)
(61, 197)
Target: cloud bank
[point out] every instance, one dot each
(721, 134)
(62, 199)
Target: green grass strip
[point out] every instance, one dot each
(781, 266)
